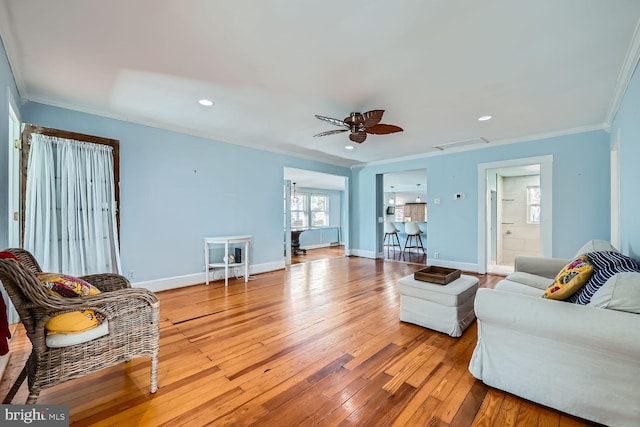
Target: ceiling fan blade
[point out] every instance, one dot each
(332, 121)
(358, 137)
(372, 118)
(383, 129)
(331, 132)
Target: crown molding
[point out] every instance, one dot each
(625, 75)
(345, 163)
(492, 143)
(11, 48)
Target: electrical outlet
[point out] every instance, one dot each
(130, 275)
(436, 255)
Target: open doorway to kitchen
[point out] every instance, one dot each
(315, 216)
(515, 212)
(404, 211)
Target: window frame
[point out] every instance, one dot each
(530, 205)
(307, 211)
(326, 210)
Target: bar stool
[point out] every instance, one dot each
(391, 238)
(413, 233)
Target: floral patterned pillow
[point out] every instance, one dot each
(70, 287)
(570, 279)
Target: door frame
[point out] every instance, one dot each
(546, 207)
(15, 225)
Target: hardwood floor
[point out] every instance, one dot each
(402, 256)
(317, 254)
(318, 344)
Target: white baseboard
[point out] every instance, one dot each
(464, 266)
(363, 254)
(197, 278)
(320, 245)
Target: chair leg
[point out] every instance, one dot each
(16, 385)
(154, 374)
(33, 397)
(407, 243)
(397, 241)
(421, 245)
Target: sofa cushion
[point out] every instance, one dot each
(620, 292)
(596, 246)
(571, 278)
(507, 285)
(605, 264)
(529, 279)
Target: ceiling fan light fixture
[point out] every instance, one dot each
(205, 102)
(485, 118)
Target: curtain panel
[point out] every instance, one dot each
(70, 214)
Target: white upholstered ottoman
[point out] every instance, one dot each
(443, 308)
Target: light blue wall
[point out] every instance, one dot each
(580, 194)
(176, 189)
(7, 86)
(627, 122)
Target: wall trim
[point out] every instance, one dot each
(492, 143)
(624, 77)
(9, 43)
(363, 254)
(320, 245)
(464, 266)
(164, 284)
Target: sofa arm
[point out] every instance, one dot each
(540, 266)
(560, 321)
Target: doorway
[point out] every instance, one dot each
(514, 212)
(403, 207)
(316, 216)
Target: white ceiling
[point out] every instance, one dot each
(540, 67)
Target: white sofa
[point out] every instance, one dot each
(580, 359)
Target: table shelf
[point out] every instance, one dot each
(226, 241)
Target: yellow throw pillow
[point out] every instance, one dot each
(572, 277)
(70, 287)
(73, 323)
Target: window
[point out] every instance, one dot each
(319, 210)
(533, 205)
(299, 211)
(309, 210)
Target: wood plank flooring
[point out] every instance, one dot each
(318, 344)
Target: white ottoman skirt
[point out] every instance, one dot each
(443, 308)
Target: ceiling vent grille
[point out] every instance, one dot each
(462, 143)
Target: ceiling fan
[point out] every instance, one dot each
(360, 124)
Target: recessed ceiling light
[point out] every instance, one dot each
(484, 118)
(206, 102)
(348, 147)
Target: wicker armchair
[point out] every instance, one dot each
(132, 315)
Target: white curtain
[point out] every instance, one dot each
(70, 215)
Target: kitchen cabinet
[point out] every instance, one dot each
(415, 212)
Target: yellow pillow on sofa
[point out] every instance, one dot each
(571, 278)
(70, 287)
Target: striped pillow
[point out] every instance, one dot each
(605, 264)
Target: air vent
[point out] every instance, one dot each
(462, 143)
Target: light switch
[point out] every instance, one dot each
(436, 201)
